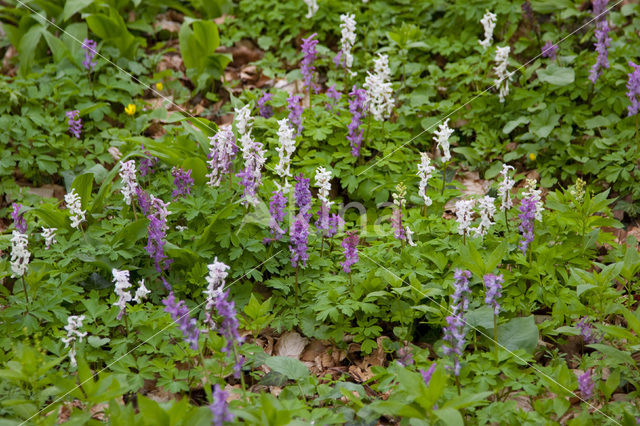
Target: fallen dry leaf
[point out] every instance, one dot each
(291, 345)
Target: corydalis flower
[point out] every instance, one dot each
(219, 407)
(323, 182)
(229, 327)
(426, 375)
(379, 90)
(454, 338)
(141, 292)
(265, 111)
(19, 253)
(276, 208)
(633, 87)
(461, 290)
(49, 235)
(147, 163)
(222, 151)
(294, 105)
(74, 324)
(182, 180)
(121, 280)
(488, 22)
(251, 176)
(487, 210)
(587, 331)
(396, 216)
(75, 208)
(332, 93)
(215, 286)
(441, 137)
(550, 50)
(143, 200)
(286, 149)
(306, 66)
(409, 235)
(536, 195)
(157, 231)
(299, 235)
(603, 41)
(464, 215)
(527, 218)
(425, 170)
(180, 314)
(75, 122)
(90, 52)
(350, 246)
(18, 218)
(357, 101)
(504, 188)
(348, 31)
(585, 382)
(312, 6)
(128, 176)
(326, 222)
(302, 195)
(405, 357)
(493, 287)
(503, 76)
(243, 120)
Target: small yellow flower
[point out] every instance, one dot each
(130, 109)
(532, 156)
(159, 87)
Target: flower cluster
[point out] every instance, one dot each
(307, 69)
(332, 93)
(294, 105)
(286, 149)
(182, 180)
(180, 314)
(426, 374)
(587, 331)
(75, 208)
(49, 235)
(157, 231)
(264, 110)
(379, 90)
(357, 101)
(19, 253)
(503, 76)
(603, 41)
(493, 287)
(586, 385)
(147, 163)
(425, 170)
(219, 407)
(441, 137)
(215, 287)
(488, 22)
(487, 210)
(229, 328)
(90, 52)
(461, 290)
(75, 122)
(350, 246)
(312, 8)
(276, 209)
(504, 188)
(253, 156)
(222, 151)
(550, 50)
(18, 218)
(405, 356)
(299, 232)
(348, 30)
(128, 176)
(527, 218)
(74, 324)
(464, 216)
(329, 223)
(454, 334)
(633, 87)
(121, 280)
(399, 200)
(535, 194)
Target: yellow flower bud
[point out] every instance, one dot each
(159, 86)
(130, 109)
(532, 156)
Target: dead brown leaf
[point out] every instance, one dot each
(290, 344)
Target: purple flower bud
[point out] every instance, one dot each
(265, 111)
(493, 286)
(18, 219)
(180, 314)
(350, 246)
(426, 375)
(527, 218)
(219, 407)
(549, 50)
(633, 87)
(306, 65)
(75, 122)
(294, 105)
(357, 109)
(183, 182)
(405, 357)
(90, 52)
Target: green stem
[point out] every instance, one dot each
(495, 336)
(506, 222)
(444, 172)
(26, 295)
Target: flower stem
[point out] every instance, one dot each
(506, 222)
(444, 172)
(26, 295)
(495, 336)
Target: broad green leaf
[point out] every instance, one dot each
(73, 6)
(83, 185)
(290, 367)
(559, 76)
(519, 333)
(613, 353)
(449, 416)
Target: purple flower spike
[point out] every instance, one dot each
(157, 232)
(147, 163)
(585, 382)
(302, 195)
(493, 285)
(143, 200)
(332, 93)
(299, 235)
(527, 218)
(180, 314)
(90, 52)
(603, 41)
(587, 331)
(454, 338)
(294, 105)
(461, 289)
(219, 407)
(633, 87)
(396, 223)
(276, 208)
(357, 109)
(306, 66)
(265, 111)
(350, 246)
(550, 50)
(426, 375)
(183, 182)
(18, 219)
(75, 122)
